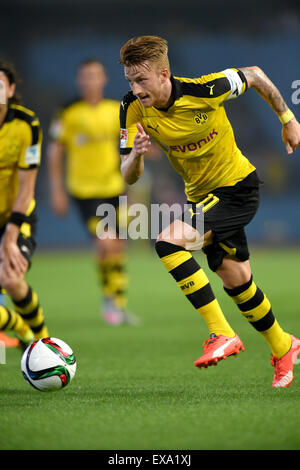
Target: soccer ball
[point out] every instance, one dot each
(48, 364)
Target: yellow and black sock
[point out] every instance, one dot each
(10, 320)
(32, 313)
(256, 308)
(114, 278)
(194, 283)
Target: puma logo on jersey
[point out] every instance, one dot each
(193, 213)
(211, 89)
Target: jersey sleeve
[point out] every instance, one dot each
(30, 156)
(216, 88)
(129, 117)
(237, 82)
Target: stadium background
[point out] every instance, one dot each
(46, 40)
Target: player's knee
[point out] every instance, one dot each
(233, 272)
(172, 235)
(165, 248)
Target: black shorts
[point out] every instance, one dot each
(229, 210)
(26, 239)
(88, 209)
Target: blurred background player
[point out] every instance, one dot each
(87, 132)
(20, 153)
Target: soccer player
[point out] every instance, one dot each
(20, 151)
(87, 132)
(186, 117)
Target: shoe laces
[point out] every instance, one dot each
(209, 342)
(275, 362)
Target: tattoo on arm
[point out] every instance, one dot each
(258, 80)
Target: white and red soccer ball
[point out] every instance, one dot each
(48, 364)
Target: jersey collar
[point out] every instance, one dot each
(9, 115)
(176, 93)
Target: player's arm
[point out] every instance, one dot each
(258, 80)
(11, 256)
(132, 164)
(59, 197)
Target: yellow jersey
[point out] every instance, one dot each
(194, 131)
(20, 149)
(90, 134)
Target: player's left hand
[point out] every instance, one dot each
(291, 135)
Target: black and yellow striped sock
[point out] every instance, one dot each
(256, 308)
(194, 283)
(32, 313)
(10, 320)
(114, 278)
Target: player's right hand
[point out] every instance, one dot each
(13, 263)
(60, 202)
(141, 143)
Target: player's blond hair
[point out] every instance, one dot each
(140, 49)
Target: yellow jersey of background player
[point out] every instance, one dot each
(20, 148)
(90, 134)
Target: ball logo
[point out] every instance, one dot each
(201, 118)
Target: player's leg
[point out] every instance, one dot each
(25, 299)
(11, 320)
(26, 304)
(193, 282)
(111, 256)
(256, 308)
(7, 340)
(111, 262)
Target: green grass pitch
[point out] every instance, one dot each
(137, 387)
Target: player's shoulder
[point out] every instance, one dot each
(109, 106)
(206, 86)
(68, 109)
(110, 102)
(17, 111)
(30, 120)
(70, 104)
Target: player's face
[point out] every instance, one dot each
(7, 90)
(147, 83)
(91, 78)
